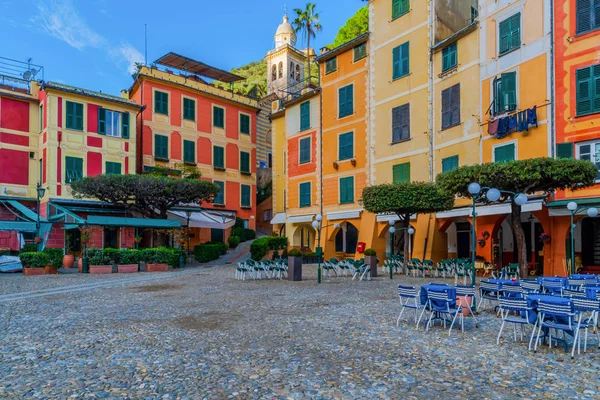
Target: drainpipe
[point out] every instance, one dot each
(431, 97)
(552, 88)
(321, 148)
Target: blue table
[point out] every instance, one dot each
(437, 287)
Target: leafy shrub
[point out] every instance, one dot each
(161, 255)
(55, 256)
(234, 241)
(370, 252)
(239, 223)
(112, 255)
(207, 252)
(130, 256)
(294, 253)
(278, 242)
(34, 259)
(29, 248)
(98, 257)
(259, 248)
(244, 234)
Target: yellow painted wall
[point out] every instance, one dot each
(279, 156)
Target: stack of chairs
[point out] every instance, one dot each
(361, 270)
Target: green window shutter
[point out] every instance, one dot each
(508, 91)
(246, 196)
(347, 190)
(588, 15)
(245, 124)
(451, 106)
(101, 121)
(346, 146)
(360, 52)
(305, 116)
(125, 125)
(73, 169)
(74, 118)
(504, 153)
(79, 116)
(189, 109)
(304, 150)
(220, 197)
(346, 101)
(218, 117)
(449, 164)
(304, 194)
(161, 102)
(70, 117)
(515, 31)
(219, 157)
(400, 61)
(504, 36)
(245, 162)
(396, 65)
(584, 91)
(405, 61)
(564, 150)
(113, 168)
(449, 57)
(399, 8)
(331, 65)
(161, 147)
(189, 151)
(401, 173)
(596, 77)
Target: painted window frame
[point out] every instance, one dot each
(515, 143)
(304, 185)
(339, 146)
(300, 141)
(158, 156)
(186, 116)
(240, 118)
(162, 102)
(213, 118)
(346, 200)
(342, 107)
(596, 156)
(76, 119)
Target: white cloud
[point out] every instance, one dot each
(61, 20)
(131, 55)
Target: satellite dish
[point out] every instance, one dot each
(26, 75)
(33, 71)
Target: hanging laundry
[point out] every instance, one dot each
(493, 127)
(512, 123)
(522, 124)
(502, 127)
(532, 116)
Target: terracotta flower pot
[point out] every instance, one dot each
(157, 267)
(127, 268)
(50, 270)
(101, 269)
(68, 260)
(80, 264)
(547, 240)
(34, 271)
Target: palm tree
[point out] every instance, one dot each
(307, 22)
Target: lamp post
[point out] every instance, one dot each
(188, 213)
(316, 224)
(410, 231)
(493, 195)
(574, 208)
(40, 192)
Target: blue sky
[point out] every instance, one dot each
(94, 43)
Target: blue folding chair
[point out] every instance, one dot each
(411, 300)
(440, 304)
(584, 305)
(488, 292)
(519, 309)
(558, 317)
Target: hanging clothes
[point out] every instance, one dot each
(522, 124)
(512, 123)
(493, 127)
(532, 116)
(502, 127)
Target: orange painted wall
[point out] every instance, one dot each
(294, 168)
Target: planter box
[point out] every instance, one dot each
(51, 271)
(371, 261)
(101, 269)
(127, 268)
(157, 267)
(294, 268)
(34, 271)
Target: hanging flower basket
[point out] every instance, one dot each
(485, 234)
(545, 238)
(38, 239)
(481, 242)
(137, 239)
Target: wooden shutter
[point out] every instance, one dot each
(396, 8)
(396, 63)
(584, 15)
(125, 125)
(244, 161)
(347, 190)
(584, 91)
(446, 59)
(455, 107)
(504, 36)
(245, 124)
(508, 83)
(401, 173)
(305, 150)
(69, 119)
(596, 76)
(453, 55)
(305, 116)
(446, 111)
(396, 124)
(405, 59)
(79, 116)
(404, 6)
(564, 150)
(515, 31)
(305, 194)
(346, 146)
(245, 196)
(220, 197)
(189, 150)
(219, 157)
(449, 164)
(346, 101)
(504, 153)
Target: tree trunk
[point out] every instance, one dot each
(515, 221)
(308, 55)
(405, 225)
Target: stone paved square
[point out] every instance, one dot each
(201, 334)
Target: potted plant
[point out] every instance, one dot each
(353, 162)
(129, 261)
(481, 242)
(485, 234)
(34, 263)
(545, 238)
(55, 260)
(371, 261)
(157, 260)
(336, 165)
(99, 262)
(68, 258)
(294, 265)
(137, 239)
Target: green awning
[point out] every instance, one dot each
(17, 226)
(589, 201)
(133, 222)
(25, 211)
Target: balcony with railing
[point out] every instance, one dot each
(16, 75)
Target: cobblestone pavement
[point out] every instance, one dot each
(203, 334)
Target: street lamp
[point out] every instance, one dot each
(493, 195)
(316, 224)
(40, 191)
(188, 213)
(410, 231)
(574, 209)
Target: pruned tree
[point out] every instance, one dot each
(532, 176)
(150, 195)
(405, 199)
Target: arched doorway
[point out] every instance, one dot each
(459, 238)
(346, 239)
(304, 237)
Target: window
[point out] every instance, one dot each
(292, 70)
(220, 197)
(267, 215)
(451, 106)
(274, 72)
(504, 153)
(305, 194)
(305, 116)
(245, 196)
(331, 65)
(346, 101)
(161, 147)
(588, 15)
(401, 173)
(401, 123)
(218, 117)
(449, 164)
(125, 125)
(450, 57)
(590, 151)
(109, 122)
(245, 124)
(161, 102)
(74, 116)
(189, 109)
(510, 34)
(360, 51)
(245, 162)
(564, 150)
(218, 157)
(505, 93)
(113, 168)
(304, 149)
(189, 152)
(588, 88)
(347, 190)
(73, 169)
(400, 61)
(298, 72)
(280, 69)
(399, 8)
(346, 146)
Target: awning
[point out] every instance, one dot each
(298, 219)
(349, 214)
(17, 226)
(279, 218)
(132, 222)
(559, 208)
(29, 214)
(389, 217)
(493, 209)
(203, 218)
